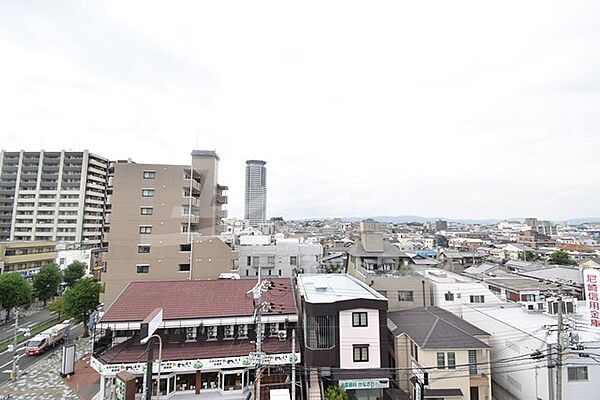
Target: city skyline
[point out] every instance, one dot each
(366, 121)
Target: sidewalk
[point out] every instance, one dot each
(86, 381)
(42, 381)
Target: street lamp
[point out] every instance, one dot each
(144, 341)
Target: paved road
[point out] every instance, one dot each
(39, 317)
(27, 361)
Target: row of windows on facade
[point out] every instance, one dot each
(255, 260)
(319, 330)
(274, 329)
(24, 266)
(447, 359)
(46, 196)
(20, 238)
(409, 295)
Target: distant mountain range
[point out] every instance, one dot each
(488, 221)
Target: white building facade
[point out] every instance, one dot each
(518, 333)
(52, 196)
(279, 258)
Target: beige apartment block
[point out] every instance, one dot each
(26, 258)
(161, 224)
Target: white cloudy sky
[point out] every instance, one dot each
(450, 108)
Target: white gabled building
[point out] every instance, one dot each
(517, 334)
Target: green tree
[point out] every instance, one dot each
(74, 272)
(81, 300)
(336, 393)
(46, 282)
(14, 291)
(57, 306)
(530, 256)
(560, 257)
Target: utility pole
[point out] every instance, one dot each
(559, 348)
(258, 299)
(294, 364)
(15, 375)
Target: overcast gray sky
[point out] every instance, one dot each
(456, 109)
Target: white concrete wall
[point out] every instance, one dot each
(66, 257)
(308, 258)
(465, 290)
(350, 336)
(519, 378)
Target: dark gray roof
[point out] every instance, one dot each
(524, 265)
(437, 393)
(520, 283)
(482, 269)
(436, 328)
(357, 250)
(594, 259)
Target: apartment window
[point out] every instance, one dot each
(228, 332)
(145, 229)
(271, 260)
(383, 293)
(293, 260)
(149, 174)
(142, 268)
(359, 319)
(360, 352)
(451, 360)
(147, 192)
(255, 260)
(185, 247)
(477, 299)
(414, 351)
(449, 296)
(406, 295)
(211, 332)
(143, 248)
(441, 360)
(319, 332)
(577, 373)
(243, 331)
(184, 267)
(248, 261)
(146, 210)
(472, 362)
(279, 272)
(190, 333)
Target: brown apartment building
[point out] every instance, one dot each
(161, 223)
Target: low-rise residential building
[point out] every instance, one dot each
(454, 353)
(385, 268)
(593, 262)
(277, 257)
(450, 291)
(208, 334)
(344, 333)
(26, 258)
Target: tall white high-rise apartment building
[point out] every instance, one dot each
(52, 196)
(256, 192)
